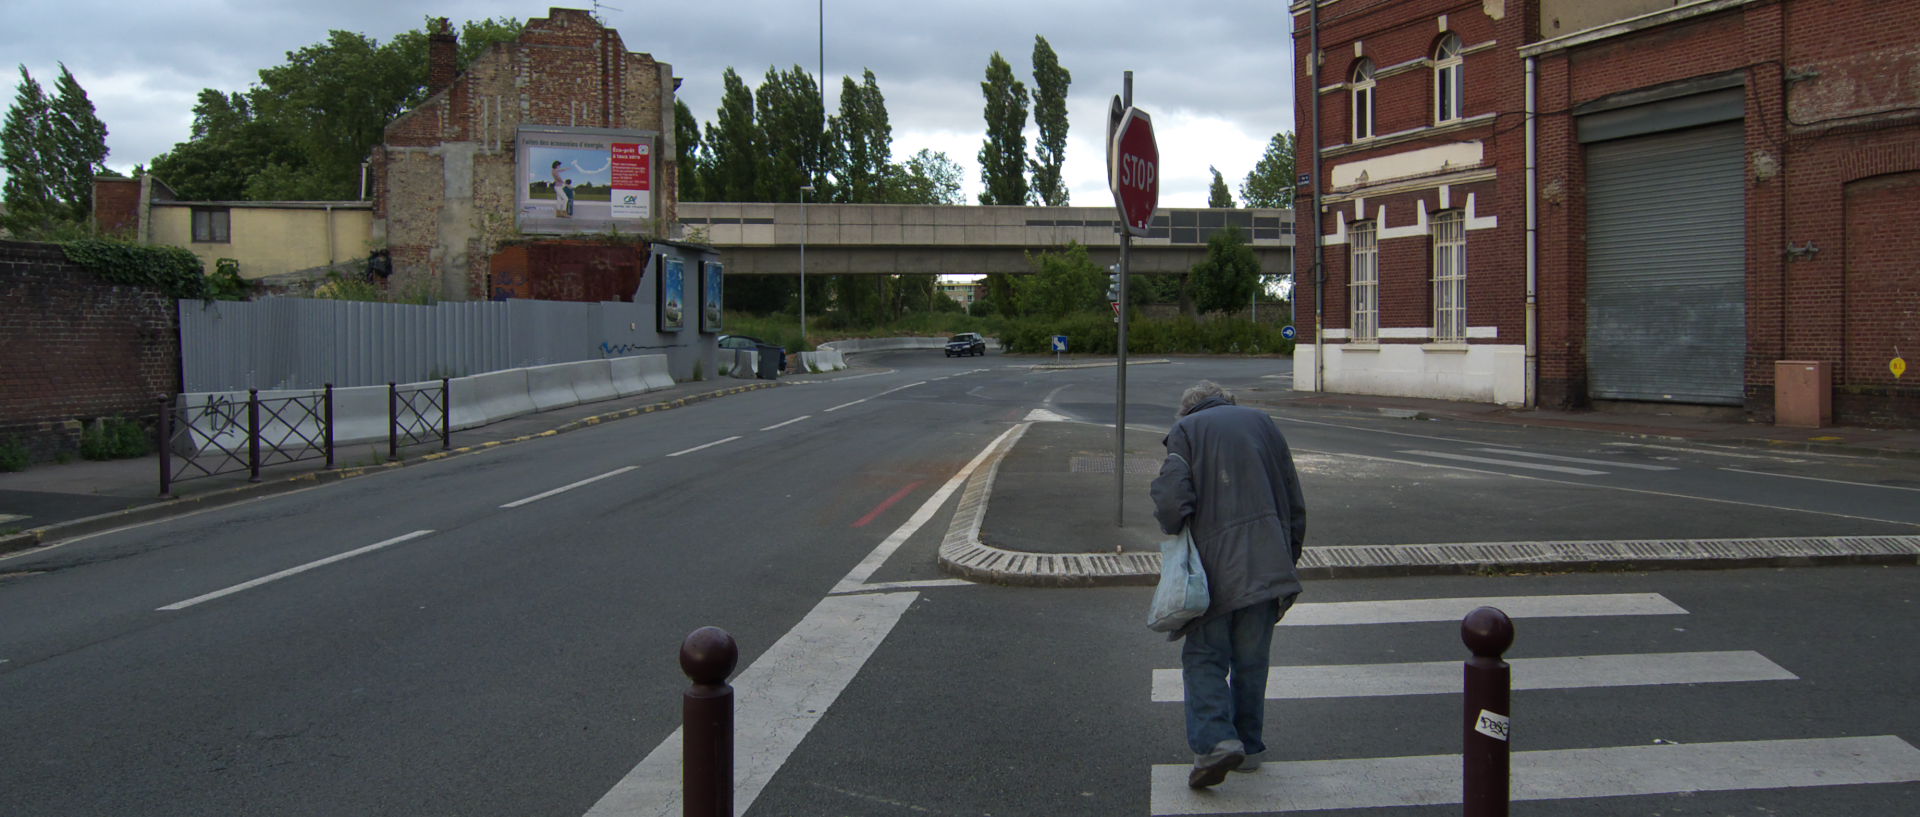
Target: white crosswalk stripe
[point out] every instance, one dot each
(1616, 771)
(1533, 466)
(1515, 452)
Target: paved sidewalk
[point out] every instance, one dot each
(1010, 529)
(50, 501)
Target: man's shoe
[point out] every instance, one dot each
(1211, 768)
(1252, 763)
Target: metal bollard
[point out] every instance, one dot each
(165, 432)
(446, 415)
(327, 420)
(707, 656)
(253, 435)
(1485, 782)
(393, 422)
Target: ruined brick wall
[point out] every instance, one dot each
(116, 205)
(74, 348)
(444, 178)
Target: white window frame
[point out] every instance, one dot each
(1363, 100)
(1363, 281)
(1449, 80)
(1449, 231)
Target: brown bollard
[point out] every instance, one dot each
(1485, 755)
(707, 657)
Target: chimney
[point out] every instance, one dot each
(443, 50)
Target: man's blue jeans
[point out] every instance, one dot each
(1224, 664)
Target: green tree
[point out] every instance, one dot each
(794, 141)
(1271, 182)
(686, 145)
(79, 147)
(1050, 83)
(23, 149)
(1003, 156)
(1227, 278)
(1063, 282)
(734, 145)
(1217, 194)
(926, 177)
(863, 142)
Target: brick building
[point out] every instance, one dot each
(1568, 202)
(445, 181)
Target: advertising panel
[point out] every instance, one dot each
(673, 294)
(583, 180)
(712, 307)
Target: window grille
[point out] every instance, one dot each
(1449, 277)
(1364, 282)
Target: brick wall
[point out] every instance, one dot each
(116, 205)
(74, 348)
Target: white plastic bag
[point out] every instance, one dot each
(1182, 593)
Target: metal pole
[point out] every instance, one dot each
(253, 435)
(1319, 259)
(1120, 371)
(165, 430)
(803, 261)
(327, 406)
(707, 656)
(393, 420)
(446, 416)
(1485, 754)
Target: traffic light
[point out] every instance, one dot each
(1113, 283)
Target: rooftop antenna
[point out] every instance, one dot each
(597, 6)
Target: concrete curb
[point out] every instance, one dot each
(963, 554)
(49, 534)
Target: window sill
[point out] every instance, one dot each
(1361, 346)
(1443, 347)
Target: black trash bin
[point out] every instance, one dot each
(772, 360)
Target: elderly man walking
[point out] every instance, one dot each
(1229, 479)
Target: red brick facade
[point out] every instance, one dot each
(74, 348)
(1832, 152)
(443, 186)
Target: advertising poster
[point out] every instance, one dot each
(673, 297)
(711, 305)
(583, 180)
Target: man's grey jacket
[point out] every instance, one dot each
(1229, 476)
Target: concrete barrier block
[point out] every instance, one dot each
(496, 396)
(629, 378)
(593, 380)
(359, 415)
(551, 386)
(654, 370)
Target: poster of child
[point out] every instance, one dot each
(568, 190)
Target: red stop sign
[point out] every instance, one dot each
(1134, 172)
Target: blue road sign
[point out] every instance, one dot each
(1059, 343)
(1287, 332)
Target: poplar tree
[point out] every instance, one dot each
(734, 145)
(28, 191)
(1050, 83)
(1217, 194)
(792, 127)
(52, 147)
(1003, 156)
(686, 148)
(864, 142)
(78, 141)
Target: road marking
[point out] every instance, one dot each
(897, 388)
(1708, 450)
(1559, 469)
(181, 605)
(777, 701)
(1615, 771)
(871, 587)
(1557, 458)
(887, 503)
(1443, 677)
(565, 488)
(858, 576)
(1406, 611)
(708, 445)
(851, 403)
(1821, 479)
(787, 423)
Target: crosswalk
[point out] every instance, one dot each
(1604, 771)
(1536, 461)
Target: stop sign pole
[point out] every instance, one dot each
(1133, 173)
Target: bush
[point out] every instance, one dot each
(13, 455)
(114, 439)
(1096, 334)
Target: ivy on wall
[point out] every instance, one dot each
(172, 270)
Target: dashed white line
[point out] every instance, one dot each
(787, 423)
(1561, 469)
(565, 488)
(708, 445)
(1514, 452)
(181, 605)
(852, 403)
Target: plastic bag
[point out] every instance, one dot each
(1182, 593)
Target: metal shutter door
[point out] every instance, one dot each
(1666, 267)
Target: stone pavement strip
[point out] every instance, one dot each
(963, 554)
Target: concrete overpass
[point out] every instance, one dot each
(761, 239)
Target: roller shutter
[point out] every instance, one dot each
(1666, 266)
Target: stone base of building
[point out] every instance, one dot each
(1482, 373)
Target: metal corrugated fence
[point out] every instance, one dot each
(297, 343)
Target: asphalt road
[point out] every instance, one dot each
(496, 633)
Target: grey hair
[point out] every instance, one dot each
(1199, 392)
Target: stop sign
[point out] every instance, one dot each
(1134, 170)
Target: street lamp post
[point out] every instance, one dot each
(804, 190)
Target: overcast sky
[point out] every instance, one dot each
(1215, 75)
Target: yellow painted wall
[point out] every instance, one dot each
(1558, 17)
(271, 240)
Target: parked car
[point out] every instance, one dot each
(748, 343)
(966, 343)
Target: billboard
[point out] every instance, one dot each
(583, 180)
(712, 302)
(672, 300)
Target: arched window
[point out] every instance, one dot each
(1362, 90)
(1449, 81)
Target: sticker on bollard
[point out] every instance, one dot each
(1492, 725)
